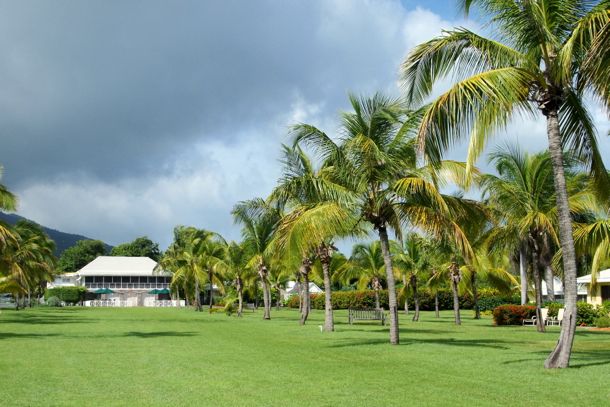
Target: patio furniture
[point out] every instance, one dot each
(556, 320)
(532, 321)
(366, 315)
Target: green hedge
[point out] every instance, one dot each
(513, 314)
(488, 300)
(70, 295)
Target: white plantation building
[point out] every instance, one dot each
(130, 281)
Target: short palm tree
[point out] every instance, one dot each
(236, 270)
(550, 54)
(8, 202)
(259, 222)
(366, 267)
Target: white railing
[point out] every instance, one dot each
(133, 302)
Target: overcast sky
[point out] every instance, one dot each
(125, 118)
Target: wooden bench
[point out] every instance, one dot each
(251, 306)
(366, 315)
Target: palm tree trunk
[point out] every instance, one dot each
(262, 272)
(560, 356)
(392, 303)
(523, 274)
(211, 291)
(376, 288)
(404, 283)
(475, 295)
(329, 324)
(436, 310)
(305, 268)
(455, 275)
(537, 285)
(240, 296)
(415, 297)
(550, 282)
(198, 306)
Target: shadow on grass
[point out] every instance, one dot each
(579, 359)
(478, 343)
(14, 335)
(43, 319)
(158, 334)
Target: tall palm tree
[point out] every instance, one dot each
(318, 213)
(523, 194)
(259, 222)
(550, 53)
(376, 162)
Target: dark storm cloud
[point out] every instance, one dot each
(114, 88)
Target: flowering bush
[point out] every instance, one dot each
(513, 314)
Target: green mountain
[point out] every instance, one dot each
(62, 240)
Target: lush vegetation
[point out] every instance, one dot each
(178, 357)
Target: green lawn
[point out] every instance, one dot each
(177, 357)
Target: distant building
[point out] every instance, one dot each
(602, 292)
(131, 280)
(292, 288)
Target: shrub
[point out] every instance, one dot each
(605, 308)
(603, 322)
(585, 313)
(53, 302)
(70, 295)
(553, 308)
(512, 314)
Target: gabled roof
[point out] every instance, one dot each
(120, 266)
(602, 277)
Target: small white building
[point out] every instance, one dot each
(292, 288)
(602, 292)
(64, 280)
(558, 289)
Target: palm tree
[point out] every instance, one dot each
(318, 213)
(8, 202)
(523, 195)
(366, 266)
(550, 53)
(28, 260)
(593, 237)
(237, 271)
(413, 262)
(376, 163)
(259, 222)
(194, 258)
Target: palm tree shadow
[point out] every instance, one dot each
(158, 334)
(579, 360)
(491, 344)
(14, 335)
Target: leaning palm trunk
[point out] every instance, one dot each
(455, 275)
(305, 269)
(392, 303)
(329, 324)
(560, 357)
(415, 297)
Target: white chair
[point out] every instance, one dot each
(532, 321)
(556, 320)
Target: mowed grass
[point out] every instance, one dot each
(177, 357)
